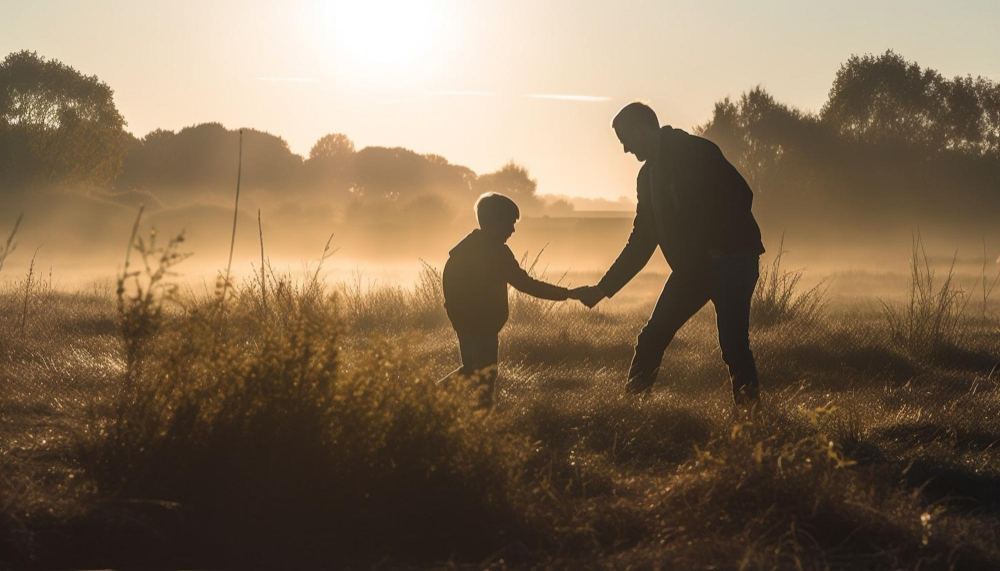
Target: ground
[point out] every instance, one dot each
(305, 427)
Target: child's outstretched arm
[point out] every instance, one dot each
(519, 278)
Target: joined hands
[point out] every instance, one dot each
(587, 295)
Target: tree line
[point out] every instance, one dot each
(894, 142)
(60, 128)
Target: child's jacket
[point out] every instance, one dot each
(475, 284)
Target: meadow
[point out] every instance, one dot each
(289, 422)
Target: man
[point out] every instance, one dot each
(695, 206)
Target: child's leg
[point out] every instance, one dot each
(479, 360)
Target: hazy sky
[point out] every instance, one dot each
(463, 79)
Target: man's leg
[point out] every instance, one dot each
(682, 296)
(480, 352)
(733, 282)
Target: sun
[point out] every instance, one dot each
(381, 40)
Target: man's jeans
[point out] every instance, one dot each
(729, 283)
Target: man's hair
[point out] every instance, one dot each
(635, 113)
(493, 209)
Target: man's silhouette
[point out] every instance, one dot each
(695, 206)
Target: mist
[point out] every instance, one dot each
(846, 188)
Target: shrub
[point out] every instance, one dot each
(268, 445)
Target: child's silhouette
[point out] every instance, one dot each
(476, 276)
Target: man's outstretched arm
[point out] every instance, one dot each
(633, 257)
(637, 251)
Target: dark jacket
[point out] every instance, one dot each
(697, 206)
(475, 284)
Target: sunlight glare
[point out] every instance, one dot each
(376, 41)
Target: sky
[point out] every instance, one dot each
(479, 82)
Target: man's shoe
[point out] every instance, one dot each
(746, 402)
(640, 385)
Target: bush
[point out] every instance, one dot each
(266, 445)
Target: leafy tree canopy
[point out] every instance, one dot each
(513, 181)
(57, 126)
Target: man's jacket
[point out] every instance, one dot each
(693, 204)
(475, 282)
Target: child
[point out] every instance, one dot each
(475, 288)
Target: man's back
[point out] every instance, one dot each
(703, 203)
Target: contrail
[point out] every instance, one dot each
(290, 79)
(458, 92)
(562, 97)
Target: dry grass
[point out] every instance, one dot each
(304, 429)
(933, 318)
(779, 299)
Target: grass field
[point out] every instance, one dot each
(301, 425)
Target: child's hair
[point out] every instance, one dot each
(494, 209)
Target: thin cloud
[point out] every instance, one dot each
(290, 79)
(459, 92)
(566, 97)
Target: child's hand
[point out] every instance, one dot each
(577, 292)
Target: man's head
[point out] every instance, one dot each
(638, 129)
(497, 215)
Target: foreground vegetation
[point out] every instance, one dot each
(286, 423)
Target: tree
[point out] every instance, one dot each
(330, 163)
(988, 94)
(335, 146)
(396, 173)
(57, 126)
(388, 172)
(886, 99)
(513, 181)
(757, 132)
(204, 158)
(895, 143)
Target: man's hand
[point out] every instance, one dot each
(588, 295)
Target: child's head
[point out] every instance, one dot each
(497, 215)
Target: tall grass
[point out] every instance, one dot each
(986, 283)
(10, 245)
(35, 292)
(778, 299)
(931, 318)
(370, 306)
(525, 308)
(428, 298)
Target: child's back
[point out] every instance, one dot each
(475, 283)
